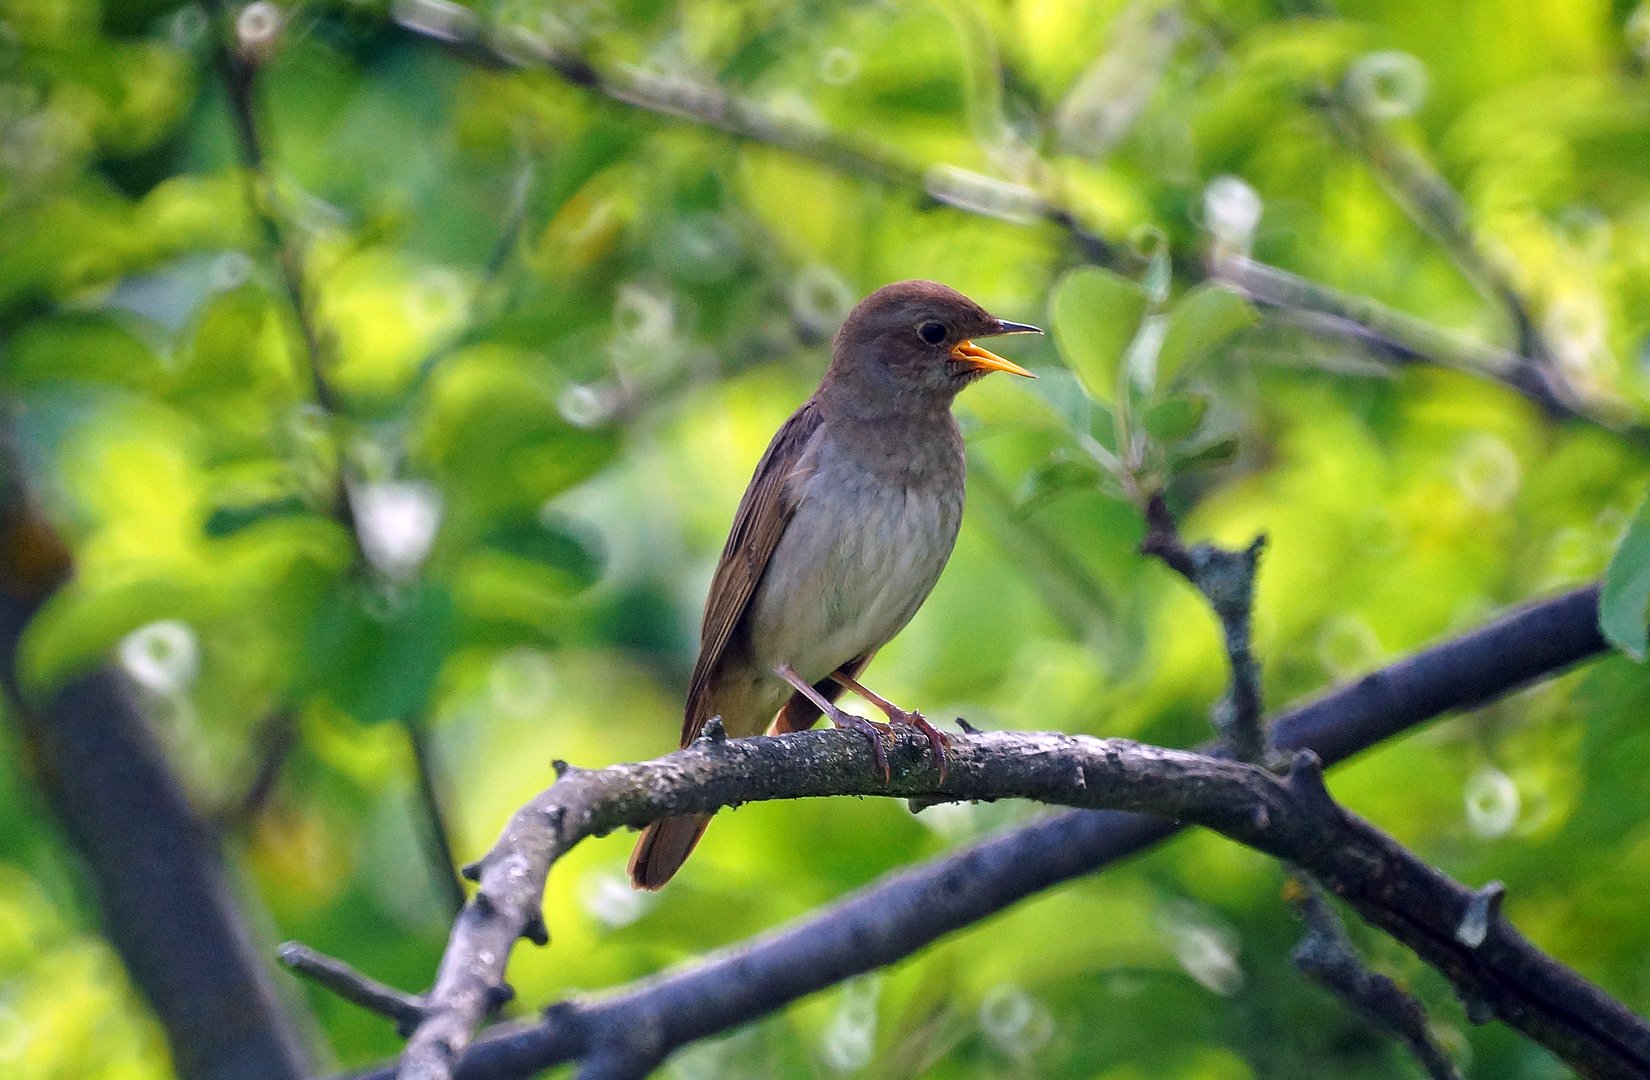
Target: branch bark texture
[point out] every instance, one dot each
(1292, 818)
(909, 909)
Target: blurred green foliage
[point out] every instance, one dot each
(562, 330)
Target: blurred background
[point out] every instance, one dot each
(377, 566)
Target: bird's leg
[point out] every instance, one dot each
(872, 730)
(937, 740)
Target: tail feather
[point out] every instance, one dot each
(664, 846)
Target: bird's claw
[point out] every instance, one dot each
(937, 739)
(876, 734)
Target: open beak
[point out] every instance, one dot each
(977, 359)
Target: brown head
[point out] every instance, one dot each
(910, 347)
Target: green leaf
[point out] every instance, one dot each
(1625, 598)
(1176, 419)
(227, 520)
(1203, 319)
(378, 658)
(1054, 477)
(551, 546)
(1096, 313)
(1216, 452)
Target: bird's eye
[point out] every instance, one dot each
(932, 332)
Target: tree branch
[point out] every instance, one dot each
(1428, 200)
(237, 66)
(1226, 580)
(1327, 956)
(405, 1009)
(1326, 310)
(912, 907)
(432, 798)
(1292, 818)
(165, 898)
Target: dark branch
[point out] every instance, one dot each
(1226, 580)
(1428, 200)
(910, 908)
(237, 60)
(1290, 818)
(1327, 955)
(273, 744)
(435, 808)
(405, 1010)
(167, 904)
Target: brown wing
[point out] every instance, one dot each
(763, 514)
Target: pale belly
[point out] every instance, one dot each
(854, 565)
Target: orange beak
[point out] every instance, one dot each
(977, 359)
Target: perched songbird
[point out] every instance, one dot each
(845, 527)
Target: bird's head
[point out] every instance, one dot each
(912, 344)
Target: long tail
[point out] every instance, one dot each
(663, 848)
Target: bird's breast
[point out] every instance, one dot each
(860, 555)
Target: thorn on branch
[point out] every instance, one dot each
(406, 1010)
(1306, 783)
(536, 930)
(967, 728)
(563, 769)
(1482, 911)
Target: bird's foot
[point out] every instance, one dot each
(937, 739)
(878, 735)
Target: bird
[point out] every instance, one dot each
(842, 533)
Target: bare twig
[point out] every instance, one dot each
(1327, 955)
(1226, 579)
(436, 805)
(237, 63)
(895, 917)
(1428, 200)
(238, 60)
(273, 744)
(406, 1010)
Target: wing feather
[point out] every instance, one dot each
(760, 521)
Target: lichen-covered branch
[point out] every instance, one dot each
(1292, 818)
(915, 906)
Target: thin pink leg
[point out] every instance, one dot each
(874, 732)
